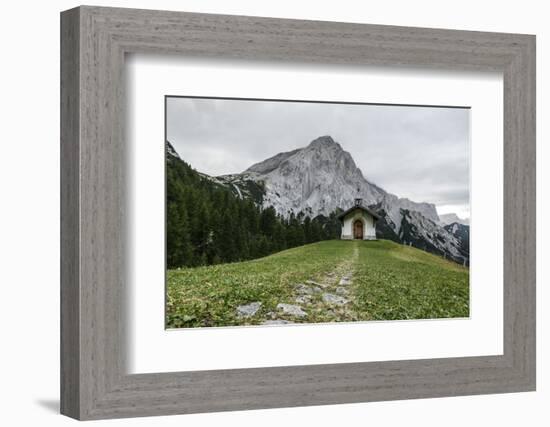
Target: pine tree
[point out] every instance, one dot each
(207, 224)
(307, 230)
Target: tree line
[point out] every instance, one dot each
(208, 224)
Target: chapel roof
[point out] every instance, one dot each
(367, 210)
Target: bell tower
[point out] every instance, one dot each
(358, 199)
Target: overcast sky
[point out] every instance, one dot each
(417, 152)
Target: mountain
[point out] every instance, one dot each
(322, 178)
(450, 218)
(462, 233)
(318, 179)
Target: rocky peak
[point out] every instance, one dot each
(171, 151)
(324, 142)
(322, 177)
(450, 218)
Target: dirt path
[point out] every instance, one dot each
(346, 269)
(325, 299)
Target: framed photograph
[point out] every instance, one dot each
(283, 231)
(262, 213)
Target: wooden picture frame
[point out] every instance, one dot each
(94, 41)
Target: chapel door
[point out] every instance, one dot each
(358, 229)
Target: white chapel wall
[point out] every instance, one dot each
(369, 230)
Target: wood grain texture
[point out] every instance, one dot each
(94, 272)
(70, 291)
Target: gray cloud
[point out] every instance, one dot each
(421, 153)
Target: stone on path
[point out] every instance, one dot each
(346, 280)
(334, 299)
(341, 290)
(312, 282)
(277, 322)
(307, 290)
(293, 310)
(248, 310)
(303, 299)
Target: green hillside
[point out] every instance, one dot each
(329, 281)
